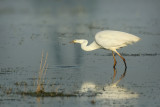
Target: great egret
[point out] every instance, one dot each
(111, 40)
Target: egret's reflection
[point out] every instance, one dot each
(117, 93)
(114, 75)
(108, 92)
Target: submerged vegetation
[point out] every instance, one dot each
(47, 94)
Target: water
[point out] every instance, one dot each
(29, 26)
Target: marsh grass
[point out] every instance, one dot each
(40, 84)
(42, 74)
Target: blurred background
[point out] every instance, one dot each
(29, 26)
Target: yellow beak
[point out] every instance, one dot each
(72, 41)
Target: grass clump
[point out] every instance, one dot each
(41, 75)
(40, 87)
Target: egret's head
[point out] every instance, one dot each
(78, 41)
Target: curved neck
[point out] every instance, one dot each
(92, 46)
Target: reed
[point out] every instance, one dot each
(42, 74)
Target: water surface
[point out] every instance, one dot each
(29, 26)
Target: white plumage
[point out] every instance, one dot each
(114, 39)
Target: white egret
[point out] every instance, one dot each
(108, 39)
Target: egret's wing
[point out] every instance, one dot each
(109, 39)
(110, 42)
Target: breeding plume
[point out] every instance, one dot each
(111, 40)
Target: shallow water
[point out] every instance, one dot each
(29, 26)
